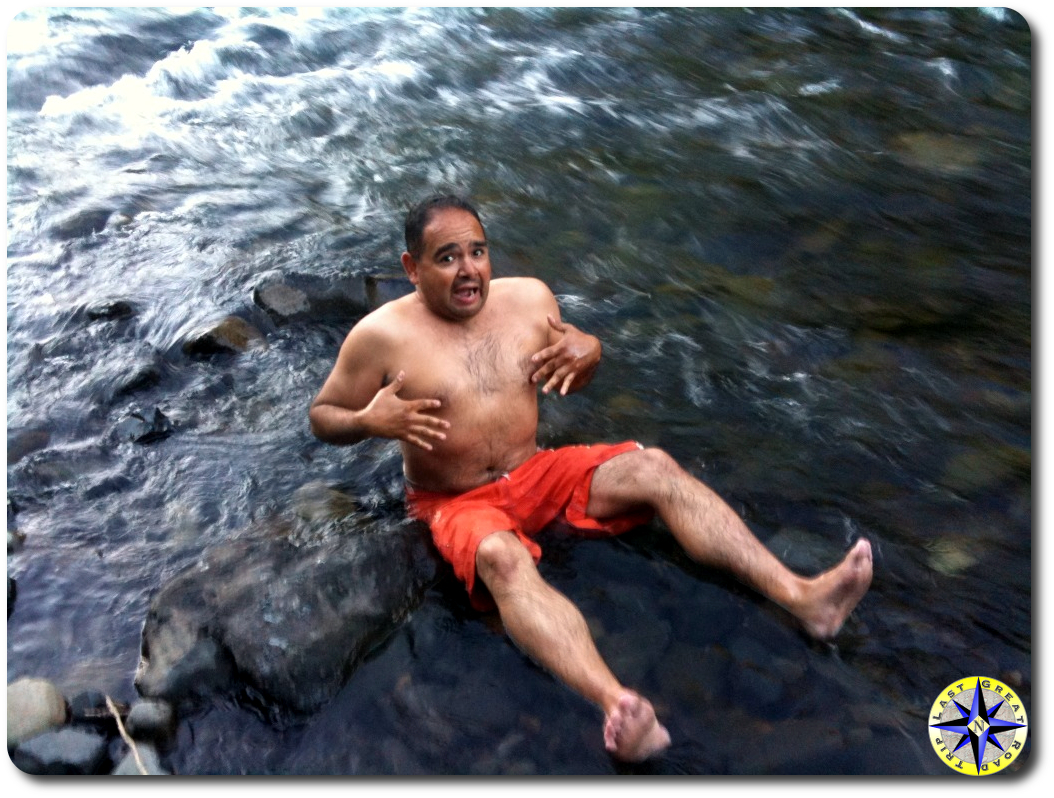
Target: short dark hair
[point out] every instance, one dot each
(419, 215)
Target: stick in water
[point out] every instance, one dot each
(124, 736)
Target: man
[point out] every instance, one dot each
(452, 371)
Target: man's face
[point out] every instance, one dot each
(452, 275)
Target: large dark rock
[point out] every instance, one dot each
(294, 297)
(289, 618)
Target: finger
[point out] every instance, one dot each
(545, 371)
(567, 384)
(396, 385)
(419, 417)
(556, 325)
(555, 380)
(426, 404)
(546, 354)
(429, 432)
(418, 442)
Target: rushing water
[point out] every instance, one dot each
(803, 235)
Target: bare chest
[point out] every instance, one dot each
(463, 372)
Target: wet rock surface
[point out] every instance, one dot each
(229, 335)
(64, 752)
(33, 706)
(292, 618)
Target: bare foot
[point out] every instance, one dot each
(832, 595)
(632, 733)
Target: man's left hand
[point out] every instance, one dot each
(574, 356)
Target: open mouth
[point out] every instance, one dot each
(466, 294)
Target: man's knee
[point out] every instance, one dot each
(500, 558)
(631, 481)
(656, 462)
(648, 468)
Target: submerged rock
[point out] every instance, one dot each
(81, 224)
(111, 309)
(316, 501)
(144, 372)
(230, 335)
(943, 153)
(24, 442)
(135, 427)
(291, 618)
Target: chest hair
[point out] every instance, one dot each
(491, 364)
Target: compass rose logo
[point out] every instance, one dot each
(978, 726)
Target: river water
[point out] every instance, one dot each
(804, 237)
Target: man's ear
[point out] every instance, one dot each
(410, 267)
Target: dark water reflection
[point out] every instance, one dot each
(803, 235)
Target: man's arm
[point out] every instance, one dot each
(571, 357)
(355, 404)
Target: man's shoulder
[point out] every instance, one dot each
(523, 288)
(384, 322)
(520, 283)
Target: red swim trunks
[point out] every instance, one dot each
(551, 484)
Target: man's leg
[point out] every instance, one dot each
(546, 626)
(712, 534)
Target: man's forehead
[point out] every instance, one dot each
(452, 226)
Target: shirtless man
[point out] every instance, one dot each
(452, 372)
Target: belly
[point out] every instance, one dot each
(485, 440)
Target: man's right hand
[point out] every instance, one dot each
(405, 420)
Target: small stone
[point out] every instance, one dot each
(33, 707)
(151, 720)
(87, 705)
(136, 428)
(90, 707)
(112, 309)
(66, 752)
(951, 556)
(229, 335)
